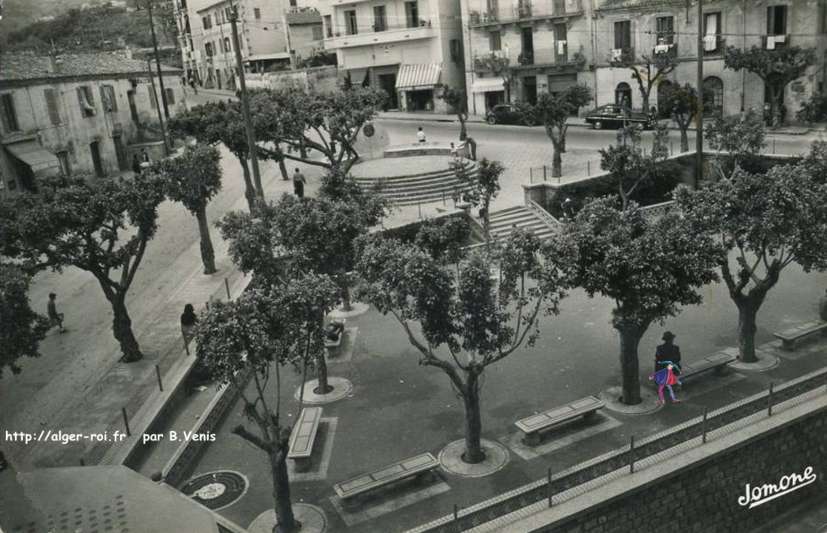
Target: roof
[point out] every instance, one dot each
(28, 66)
(303, 17)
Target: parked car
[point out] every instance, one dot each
(615, 116)
(509, 114)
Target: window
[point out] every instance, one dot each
(666, 30)
(558, 7)
(293, 3)
(561, 43)
(328, 24)
(350, 22)
(776, 20)
(411, 14)
(712, 31)
(208, 49)
(380, 18)
(257, 13)
(623, 34)
(170, 94)
(63, 160)
(227, 47)
(495, 41)
(87, 101)
(50, 95)
(623, 95)
(9, 113)
(206, 22)
(317, 32)
(108, 99)
(456, 50)
(713, 96)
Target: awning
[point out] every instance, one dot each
(412, 77)
(487, 85)
(42, 162)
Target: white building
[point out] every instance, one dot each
(406, 47)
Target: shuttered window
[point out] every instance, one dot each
(50, 95)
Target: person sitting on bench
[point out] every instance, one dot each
(333, 330)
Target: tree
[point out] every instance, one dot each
(193, 179)
(767, 221)
(554, 110)
(498, 65)
(220, 122)
(102, 227)
(21, 329)
(462, 326)
(777, 68)
(649, 268)
(630, 166)
(649, 71)
(481, 187)
(443, 239)
(327, 123)
(681, 103)
(740, 137)
(458, 100)
(253, 337)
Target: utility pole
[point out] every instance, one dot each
(157, 59)
(245, 104)
(158, 108)
(699, 115)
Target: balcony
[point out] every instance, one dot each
(668, 49)
(621, 56)
(714, 45)
(382, 34)
(774, 42)
(483, 62)
(547, 60)
(525, 11)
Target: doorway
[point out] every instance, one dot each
(388, 84)
(94, 148)
(133, 110)
(120, 152)
(530, 89)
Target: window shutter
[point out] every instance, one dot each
(51, 104)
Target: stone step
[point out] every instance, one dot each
(403, 177)
(418, 184)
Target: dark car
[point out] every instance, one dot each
(615, 116)
(509, 114)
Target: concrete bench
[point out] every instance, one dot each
(385, 476)
(716, 362)
(534, 425)
(303, 436)
(790, 336)
(331, 344)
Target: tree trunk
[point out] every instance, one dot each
(122, 328)
(473, 422)
(684, 139)
(556, 163)
(645, 101)
(283, 168)
(345, 296)
(285, 520)
(630, 335)
(321, 365)
(562, 144)
(207, 253)
(747, 311)
(249, 191)
(463, 133)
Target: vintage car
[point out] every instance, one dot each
(615, 116)
(509, 114)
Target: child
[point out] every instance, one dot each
(666, 378)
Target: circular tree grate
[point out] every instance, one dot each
(216, 490)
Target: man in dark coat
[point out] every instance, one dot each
(668, 352)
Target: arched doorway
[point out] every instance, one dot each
(623, 95)
(664, 88)
(713, 95)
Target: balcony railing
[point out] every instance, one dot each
(773, 42)
(621, 55)
(526, 10)
(668, 49)
(714, 45)
(381, 34)
(483, 61)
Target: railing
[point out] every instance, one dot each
(622, 55)
(772, 42)
(523, 10)
(719, 43)
(664, 48)
(481, 63)
(526, 10)
(546, 217)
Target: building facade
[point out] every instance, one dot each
(519, 49)
(405, 47)
(76, 114)
(304, 32)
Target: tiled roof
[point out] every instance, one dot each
(303, 17)
(28, 66)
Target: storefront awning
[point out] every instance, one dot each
(487, 85)
(42, 162)
(412, 77)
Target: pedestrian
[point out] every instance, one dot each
(469, 141)
(55, 318)
(822, 307)
(144, 156)
(136, 164)
(665, 378)
(194, 86)
(420, 135)
(188, 322)
(298, 183)
(668, 352)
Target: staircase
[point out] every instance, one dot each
(422, 188)
(503, 222)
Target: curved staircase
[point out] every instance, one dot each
(424, 187)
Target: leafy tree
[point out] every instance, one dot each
(462, 327)
(814, 109)
(444, 238)
(649, 71)
(740, 137)
(681, 103)
(498, 65)
(327, 123)
(777, 68)
(631, 167)
(220, 122)
(553, 111)
(21, 329)
(649, 268)
(482, 187)
(193, 179)
(767, 221)
(102, 227)
(254, 337)
(458, 100)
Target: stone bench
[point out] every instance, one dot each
(534, 425)
(385, 476)
(716, 362)
(303, 436)
(790, 336)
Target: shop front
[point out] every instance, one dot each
(417, 87)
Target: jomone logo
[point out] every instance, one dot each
(760, 494)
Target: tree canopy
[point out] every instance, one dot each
(681, 103)
(553, 111)
(21, 329)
